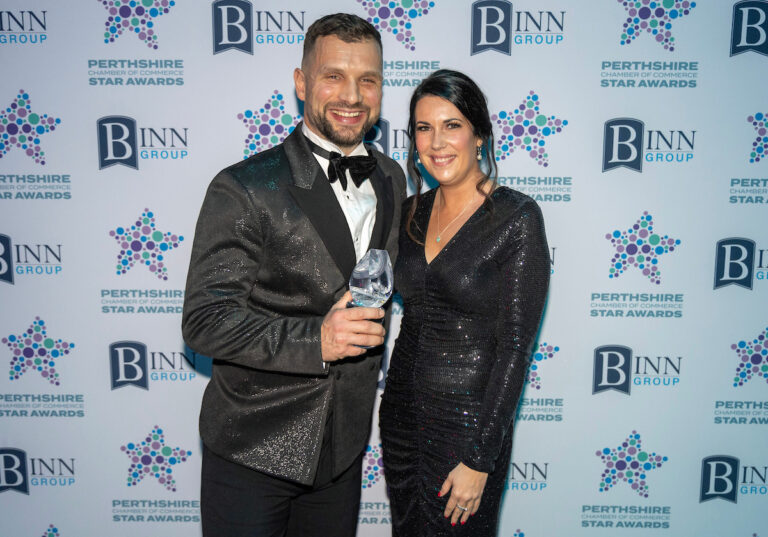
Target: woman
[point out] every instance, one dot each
(473, 271)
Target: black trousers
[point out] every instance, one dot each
(239, 502)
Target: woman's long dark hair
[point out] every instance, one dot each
(461, 91)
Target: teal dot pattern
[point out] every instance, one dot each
(639, 246)
(21, 127)
(753, 359)
(35, 350)
(544, 352)
(151, 458)
(628, 463)
(267, 126)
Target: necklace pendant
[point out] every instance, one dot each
(437, 239)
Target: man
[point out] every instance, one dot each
(286, 414)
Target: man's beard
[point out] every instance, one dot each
(345, 136)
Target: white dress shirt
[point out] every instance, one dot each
(357, 203)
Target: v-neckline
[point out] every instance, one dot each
(449, 241)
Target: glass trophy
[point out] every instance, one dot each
(371, 280)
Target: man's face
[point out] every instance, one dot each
(340, 84)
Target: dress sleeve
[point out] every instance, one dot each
(220, 319)
(524, 280)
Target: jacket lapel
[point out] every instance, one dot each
(316, 199)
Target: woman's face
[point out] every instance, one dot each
(445, 141)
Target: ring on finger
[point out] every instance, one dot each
(461, 507)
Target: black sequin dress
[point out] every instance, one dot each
(459, 362)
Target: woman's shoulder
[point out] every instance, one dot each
(509, 202)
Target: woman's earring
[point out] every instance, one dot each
(418, 160)
(479, 153)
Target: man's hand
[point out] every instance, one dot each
(345, 331)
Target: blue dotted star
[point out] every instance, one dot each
(639, 246)
(35, 350)
(135, 17)
(628, 463)
(152, 458)
(753, 359)
(142, 243)
(526, 129)
(21, 127)
(396, 17)
(654, 18)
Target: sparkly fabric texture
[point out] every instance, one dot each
(272, 254)
(459, 362)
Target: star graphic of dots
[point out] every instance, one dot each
(373, 466)
(760, 145)
(142, 243)
(35, 350)
(655, 18)
(135, 17)
(628, 463)
(396, 17)
(152, 458)
(52, 531)
(526, 129)
(21, 127)
(544, 352)
(267, 126)
(640, 247)
(753, 359)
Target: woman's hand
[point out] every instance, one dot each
(466, 486)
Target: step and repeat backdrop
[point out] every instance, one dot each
(638, 125)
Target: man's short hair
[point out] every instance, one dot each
(348, 28)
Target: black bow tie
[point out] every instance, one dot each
(360, 168)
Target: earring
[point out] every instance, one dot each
(479, 153)
(418, 160)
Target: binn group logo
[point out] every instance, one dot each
(23, 27)
(142, 243)
(629, 463)
(752, 359)
(526, 129)
(22, 128)
(28, 260)
(654, 18)
(617, 368)
(151, 458)
(121, 141)
(35, 350)
(135, 17)
(234, 27)
(496, 26)
(268, 126)
(373, 466)
(132, 364)
(19, 471)
(627, 143)
(739, 262)
(749, 30)
(639, 246)
(723, 477)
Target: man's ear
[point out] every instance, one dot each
(299, 80)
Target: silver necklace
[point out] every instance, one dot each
(439, 232)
